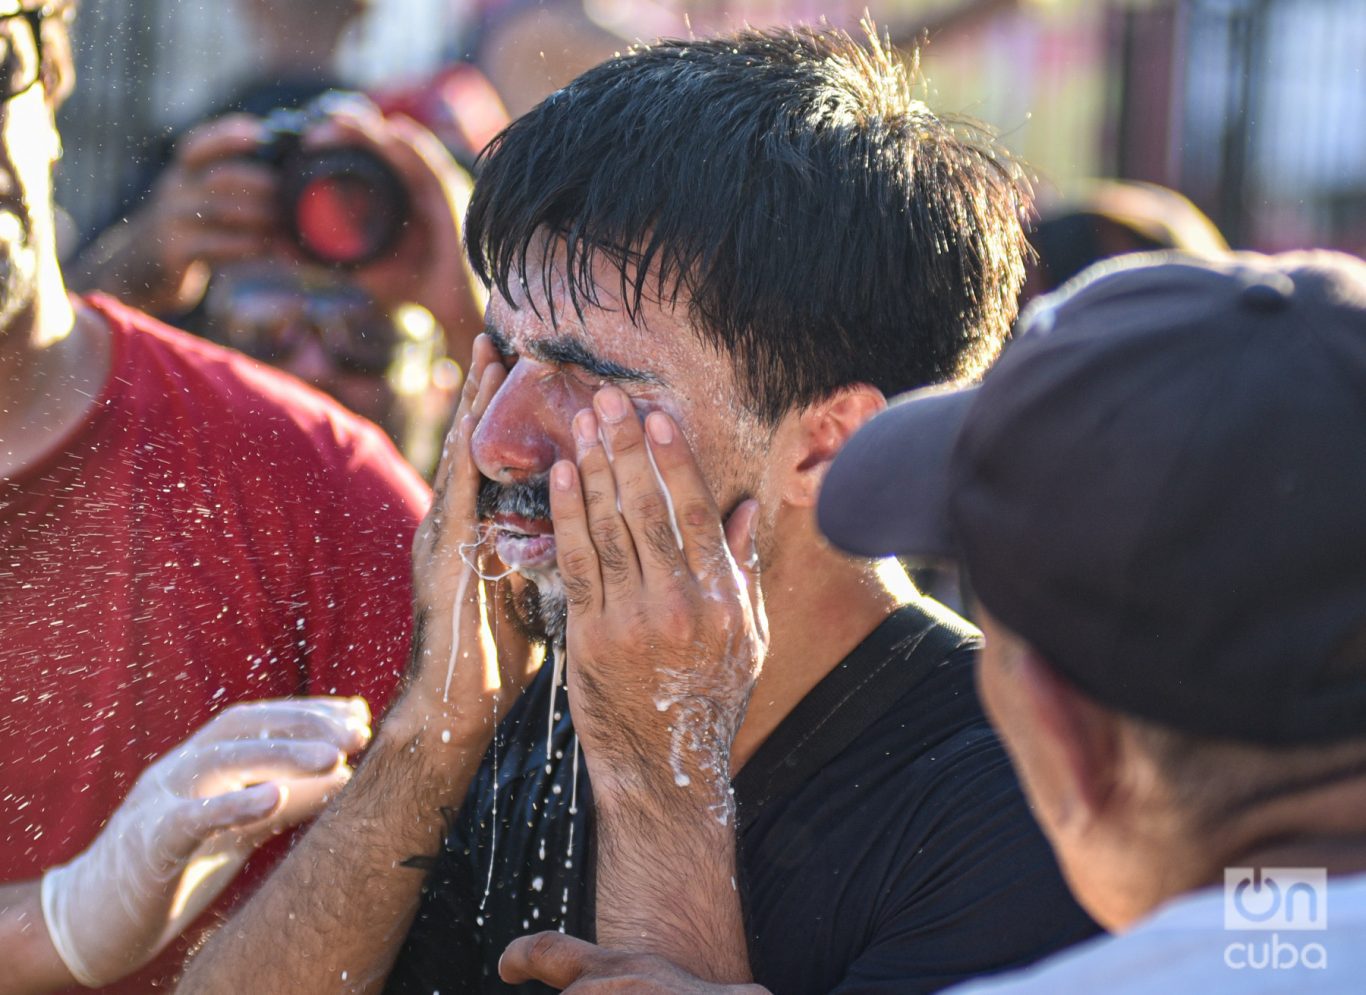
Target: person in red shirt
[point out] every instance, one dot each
(182, 529)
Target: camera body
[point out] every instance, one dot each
(342, 206)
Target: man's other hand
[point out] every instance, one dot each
(582, 968)
(460, 681)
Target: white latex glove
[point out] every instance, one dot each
(189, 824)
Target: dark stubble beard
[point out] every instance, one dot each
(539, 611)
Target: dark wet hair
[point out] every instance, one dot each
(824, 227)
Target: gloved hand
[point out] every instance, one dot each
(190, 822)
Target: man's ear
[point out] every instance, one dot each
(821, 431)
(1079, 738)
(59, 66)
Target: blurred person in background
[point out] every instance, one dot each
(293, 61)
(386, 366)
(183, 529)
(1112, 218)
(293, 47)
(220, 202)
(222, 213)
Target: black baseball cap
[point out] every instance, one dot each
(1161, 486)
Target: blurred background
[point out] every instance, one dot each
(1254, 109)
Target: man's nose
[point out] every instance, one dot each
(523, 431)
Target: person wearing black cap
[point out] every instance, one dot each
(1157, 495)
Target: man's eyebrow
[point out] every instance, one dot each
(572, 352)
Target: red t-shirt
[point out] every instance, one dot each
(212, 532)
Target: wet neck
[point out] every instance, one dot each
(820, 607)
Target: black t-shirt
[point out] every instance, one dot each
(884, 842)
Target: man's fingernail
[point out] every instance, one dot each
(562, 476)
(612, 404)
(660, 427)
(585, 429)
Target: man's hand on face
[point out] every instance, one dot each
(666, 628)
(460, 682)
(582, 968)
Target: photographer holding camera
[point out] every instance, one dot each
(377, 199)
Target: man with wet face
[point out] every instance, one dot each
(710, 261)
(557, 361)
(182, 529)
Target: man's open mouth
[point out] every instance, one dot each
(524, 543)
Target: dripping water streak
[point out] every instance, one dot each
(668, 498)
(573, 803)
(455, 628)
(556, 671)
(493, 840)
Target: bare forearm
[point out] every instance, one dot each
(666, 885)
(31, 962)
(334, 914)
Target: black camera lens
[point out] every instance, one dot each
(343, 206)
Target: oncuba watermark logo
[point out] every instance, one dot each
(1275, 899)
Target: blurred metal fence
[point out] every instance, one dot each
(1270, 133)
